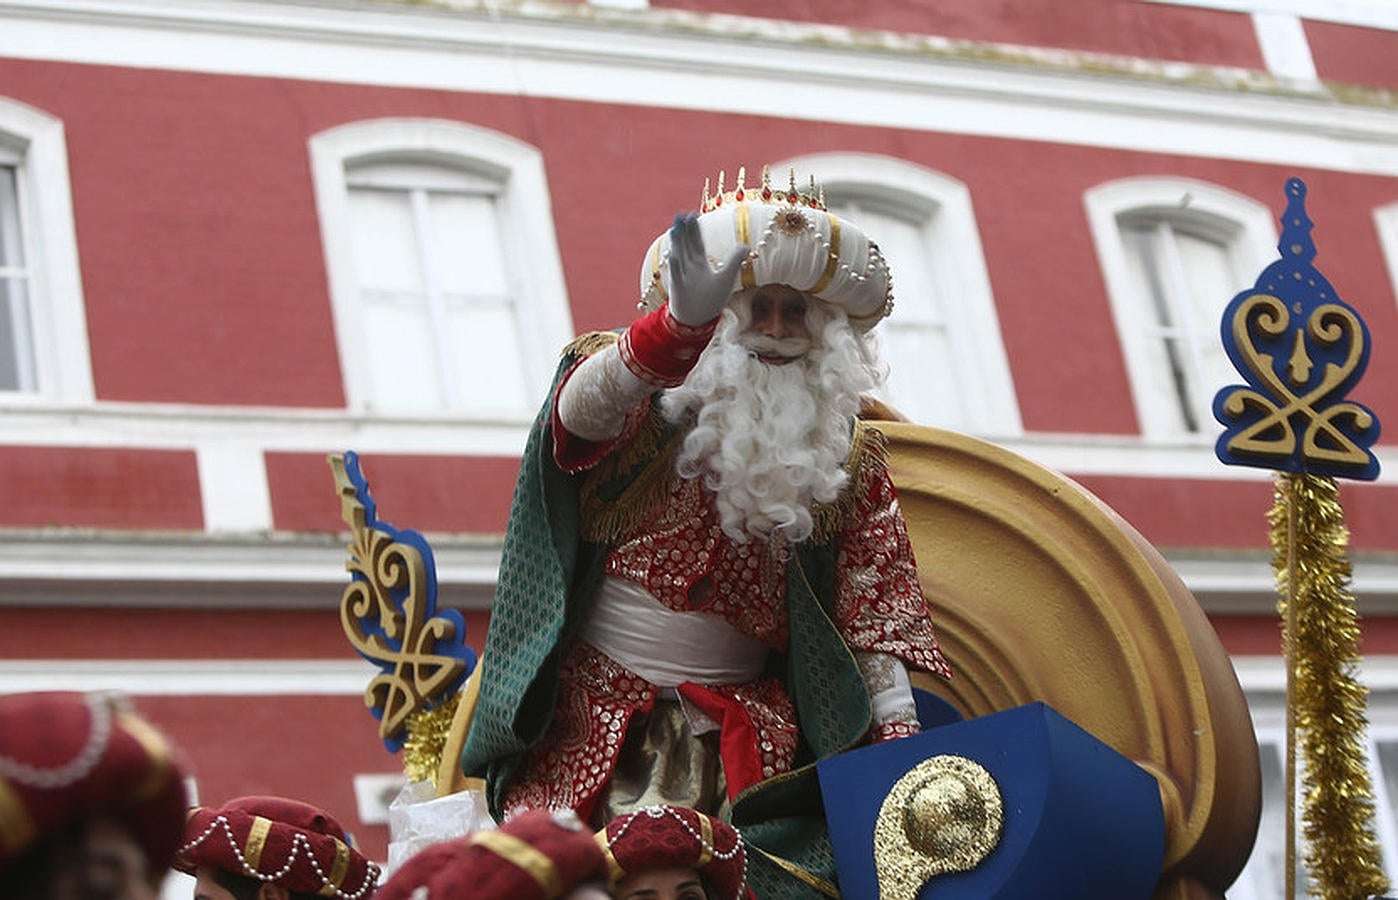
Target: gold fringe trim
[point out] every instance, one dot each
(589, 343)
(1309, 541)
(607, 521)
(868, 454)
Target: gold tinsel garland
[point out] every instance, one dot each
(1310, 540)
(427, 737)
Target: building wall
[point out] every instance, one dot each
(175, 533)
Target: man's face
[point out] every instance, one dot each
(109, 865)
(776, 329)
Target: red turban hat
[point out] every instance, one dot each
(662, 837)
(537, 855)
(279, 841)
(66, 757)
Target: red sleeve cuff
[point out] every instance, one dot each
(660, 350)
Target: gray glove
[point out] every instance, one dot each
(698, 292)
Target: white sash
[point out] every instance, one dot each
(666, 647)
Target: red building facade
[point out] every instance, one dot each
(236, 236)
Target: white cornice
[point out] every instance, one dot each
(265, 429)
(174, 570)
(191, 677)
(47, 568)
(734, 64)
(1241, 582)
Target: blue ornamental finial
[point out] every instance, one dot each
(389, 612)
(1296, 243)
(1301, 349)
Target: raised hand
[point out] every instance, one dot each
(698, 291)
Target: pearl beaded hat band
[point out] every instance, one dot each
(666, 836)
(278, 841)
(792, 239)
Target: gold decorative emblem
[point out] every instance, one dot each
(1300, 349)
(389, 613)
(1271, 433)
(944, 815)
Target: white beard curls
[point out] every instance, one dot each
(770, 440)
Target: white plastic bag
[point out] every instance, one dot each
(417, 817)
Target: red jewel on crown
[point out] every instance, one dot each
(793, 196)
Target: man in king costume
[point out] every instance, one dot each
(707, 583)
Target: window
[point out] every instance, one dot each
(1264, 680)
(1174, 252)
(444, 268)
(1386, 220)
(947, 364)
(16, 337)
(43, 328)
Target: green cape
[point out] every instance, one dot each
(548, 575)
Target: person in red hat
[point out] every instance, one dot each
(92, 799)
(537, 855)
(273, 848)
(670, 852)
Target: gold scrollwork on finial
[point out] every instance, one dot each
(944, 815)
(1273, 433)
(389, 586)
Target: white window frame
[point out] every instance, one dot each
(1386, 222)
(34, 143)
(536, 271)
(1263, 680)
(992, 407)
(1251, 234)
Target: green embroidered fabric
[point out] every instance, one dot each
(548, 572)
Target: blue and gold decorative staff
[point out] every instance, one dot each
(1301, 349)
(389, 613)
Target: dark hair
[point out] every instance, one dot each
(27, 877)
(244, 887)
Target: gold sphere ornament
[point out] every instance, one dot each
(944, 815)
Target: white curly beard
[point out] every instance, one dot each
(771, 440)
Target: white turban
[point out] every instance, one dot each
(794, 241)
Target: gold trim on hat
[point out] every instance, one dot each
(157, 749)
(523, 856)
(655, 273)
(614, 869)
(17, 828)
(742, 224)
(706, 841)
(832, 257)
(337, 872)
(257, 840)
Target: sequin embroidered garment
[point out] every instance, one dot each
(681, 556)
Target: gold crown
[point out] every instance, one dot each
(792, 196)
